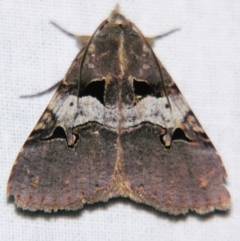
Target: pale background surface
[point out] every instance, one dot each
(204, 60)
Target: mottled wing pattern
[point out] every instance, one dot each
(118, 126)
(51, 174)
(175, 169)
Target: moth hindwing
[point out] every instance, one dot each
(118, 126)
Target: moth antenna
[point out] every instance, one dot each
(152, 39)
(84, 56)
(167, 33)
(63, 29)
(156, 61)
(82, 40)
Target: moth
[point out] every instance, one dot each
(118, 126)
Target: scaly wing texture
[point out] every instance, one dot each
(49, 174)
(185, 175)
(113, 129)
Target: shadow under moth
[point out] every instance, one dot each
(118, 126)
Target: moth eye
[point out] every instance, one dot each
(142, 89)
(95, 89)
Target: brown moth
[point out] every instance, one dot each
(118, 126)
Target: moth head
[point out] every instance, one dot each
(117, 18)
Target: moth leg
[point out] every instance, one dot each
(82, 40)
(153, 39)
(43, 92)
